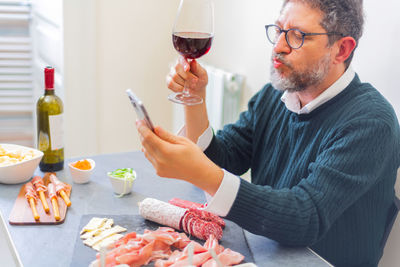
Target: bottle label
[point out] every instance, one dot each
(56, 131)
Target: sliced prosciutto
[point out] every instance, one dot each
(164, 247)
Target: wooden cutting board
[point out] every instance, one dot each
(21, 213)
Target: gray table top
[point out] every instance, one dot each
(53, 245)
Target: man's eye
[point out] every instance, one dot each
(296, 34)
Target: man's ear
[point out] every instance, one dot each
(345, 46)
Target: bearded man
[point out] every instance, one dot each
(322, 146)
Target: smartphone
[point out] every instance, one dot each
(140, 109)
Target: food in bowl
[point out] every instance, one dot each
(10, 155)
(122, 180)
(82, 164)
(81, 170)
(18, 163)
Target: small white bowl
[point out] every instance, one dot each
(121, 186)
(81, 176)
(21, 171)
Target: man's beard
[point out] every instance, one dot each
(299, 81)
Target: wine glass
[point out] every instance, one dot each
(192, 36)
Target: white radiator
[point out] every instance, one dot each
(16, 88)
(224, 92)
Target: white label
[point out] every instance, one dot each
(56, 131)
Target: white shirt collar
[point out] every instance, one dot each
(292, 101)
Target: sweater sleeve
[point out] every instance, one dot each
(231, 148)
(348, 165)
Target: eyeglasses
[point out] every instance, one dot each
(294, 37)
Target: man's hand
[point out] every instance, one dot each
(196, 119)
(177, 157)
(192, 73)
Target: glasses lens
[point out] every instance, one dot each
(273, 33)
(295, 38)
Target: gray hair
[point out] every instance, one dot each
(343, 16)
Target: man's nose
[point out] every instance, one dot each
(281, 45)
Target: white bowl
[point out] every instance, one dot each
(121, 186)
(22, 171)
(81, 176)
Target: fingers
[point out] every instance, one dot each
(174, 81)
(184, 63)
(166, 136)
(149, 157)
(179, 75)
(148, 139)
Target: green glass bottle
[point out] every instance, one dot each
(49, 111)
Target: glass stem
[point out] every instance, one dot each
(185, 90)
(185, 86)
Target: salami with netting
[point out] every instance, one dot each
(197, 208)
(161, 212)
(187, 220)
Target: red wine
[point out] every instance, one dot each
(192, 44)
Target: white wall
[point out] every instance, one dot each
(80, 78)
(111, 46)
(377, 57)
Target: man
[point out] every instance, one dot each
(323, 147)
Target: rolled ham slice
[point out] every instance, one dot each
(37, 181)
(52, 191)
(61, 188)
(54, 202)
(59, 185)
(30, 191)
(30, 195)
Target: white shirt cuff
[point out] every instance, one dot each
(223, 199)
(204, 139)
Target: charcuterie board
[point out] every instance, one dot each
(233, 237)
(21, 213)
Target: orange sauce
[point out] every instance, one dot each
(82, 165)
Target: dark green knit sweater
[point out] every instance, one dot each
(323, 179)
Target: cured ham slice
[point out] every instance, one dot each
(227, 257)
(54, 202)
(30, 191)
(58, 184)
(37, 181)
(140, 249)
(30, 195)
(61, 188)
(185, 203)
(51, 190)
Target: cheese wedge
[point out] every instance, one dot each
(93, 224)
(94, 240)
(107, 241)
(107, 225)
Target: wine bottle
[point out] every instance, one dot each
(49, 111)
